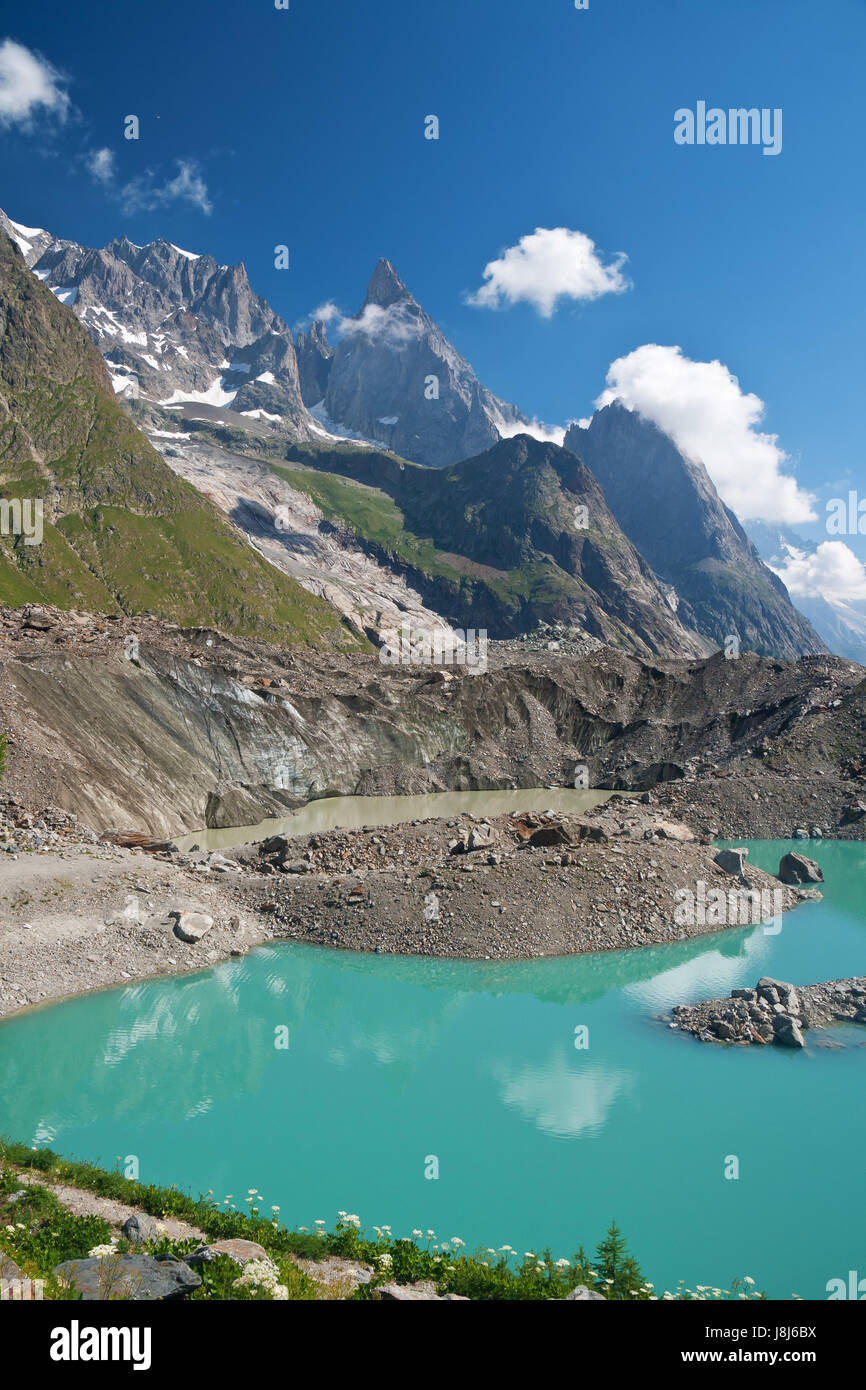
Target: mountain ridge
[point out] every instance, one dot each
(669, 508)
(122, 533)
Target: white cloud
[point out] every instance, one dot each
(550, 264)
(548, 434)
(832, 572)
(28, 83)
(100, 164)
(143, 194)
(389, 324)
(701, 406)
(392, 326)
(326, 313)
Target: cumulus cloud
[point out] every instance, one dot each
(28, 84)
(327, 313)
(100, 165)
(145, 193)
(833, 571)
(547, 266)
(710, 419)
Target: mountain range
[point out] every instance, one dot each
(121, 532)
(405, 488)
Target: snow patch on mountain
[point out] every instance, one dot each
(332, 430)
(216, 394)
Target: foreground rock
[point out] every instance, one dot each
(774, 1012)
(192, 926)
(238, 1250)
(140, 1278)
(140, 1228)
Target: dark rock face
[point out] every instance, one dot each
(315, 355)
(796, 868)
(140, 1278)
(380, 382)
(668, 507)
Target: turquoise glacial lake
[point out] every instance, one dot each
(393, 1060)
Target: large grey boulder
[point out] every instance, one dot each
(582, 1294)
(192, 926)
(140, 1278)
(141, 1228)
(787, 1031)
(479, 837)
(733, 861)
(778, 992)
(796, 868)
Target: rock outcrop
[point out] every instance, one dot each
(774, 1012)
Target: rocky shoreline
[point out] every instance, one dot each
(142, 729)
(773, 1012)
(78, 913)
(504, 888)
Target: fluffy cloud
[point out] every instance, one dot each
(393, 326)
(390, 324)
(143, 193)
(100, 164)
(832, 572)
(548, 434)
(28, 83)
(701, 406)
(327, 313)
(550, 264)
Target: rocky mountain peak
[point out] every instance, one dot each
(315, 355)
(397, 380)
(176, 328)
(386, 287)
(669, 508)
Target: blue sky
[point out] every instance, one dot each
(306, 127)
